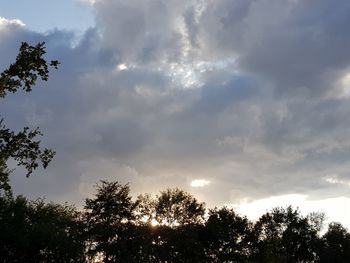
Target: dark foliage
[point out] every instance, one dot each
(227, 236)
(336, 245)
(175, 207)
(23, 146)
(29, 66)
(35, 231)
(115, 228)
(108, 219)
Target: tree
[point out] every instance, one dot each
(175, 207)
(23, 146)
(336, 245)
(227, 236)
(176, 236)
(109, 221)
(29, 66)
(35, 231)
(31, 231)
(283, 235)
(169, 227)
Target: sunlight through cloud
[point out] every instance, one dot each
(122, 67)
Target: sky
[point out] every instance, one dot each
(243, 103)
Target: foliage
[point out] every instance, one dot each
(5, 188)
(23, 146)
(29, 66)
(227, 236)
(336, 244)
(175, 207)
(114, 228)
(108, 219)
(35, 231)
(283, 235)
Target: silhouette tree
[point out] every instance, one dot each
(109, 218)
(146, 234)
(227, 236)
(179, 218)
(23, 146)
(283, 235)
(175, 207)
(5, 188)
(33, 231)
(114, 228)
(145, 209)
(336, 245)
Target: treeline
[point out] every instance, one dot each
(170, 227)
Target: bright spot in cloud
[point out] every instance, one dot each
(199, 183)
(190, 74)
(122, 67)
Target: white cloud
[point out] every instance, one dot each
(332, 207)
(4, 23)
(199, 183)
(334, 179)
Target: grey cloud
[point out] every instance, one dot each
(270, 124)
(293, 44)
(140, 31)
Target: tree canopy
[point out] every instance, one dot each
(112, 228)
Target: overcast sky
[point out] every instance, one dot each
(239, 102)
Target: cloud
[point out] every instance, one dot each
(199, 183)
(90, 2)
(291, 49)
(6, 23)
(329, 206)
(161, 93)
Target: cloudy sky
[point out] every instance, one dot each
(240, 102)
